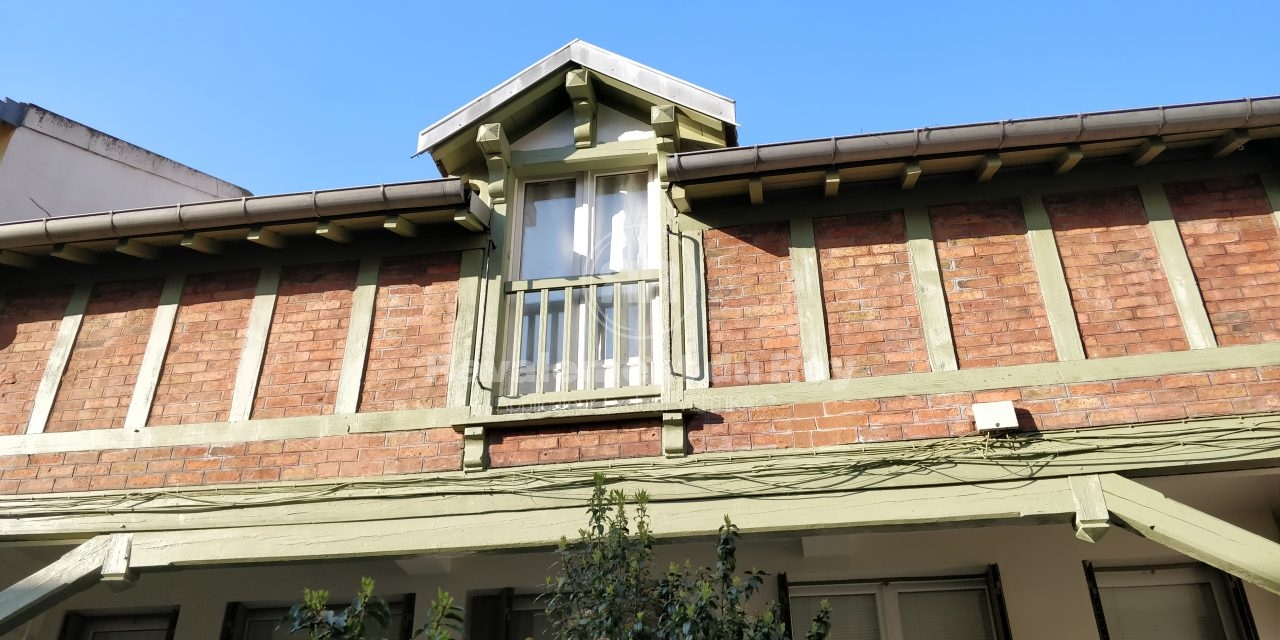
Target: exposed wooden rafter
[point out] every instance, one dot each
(987, 167)
(1229, 143)
(203, 244)
(267, 238)
(1147, 151)
(755, 189)
(1068, 159)
(72, 253)
(18, 260)
(910, 175)
(831, 183)
(137, 248)
(400, 226)
(330, 230)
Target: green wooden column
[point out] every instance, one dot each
(807, 277)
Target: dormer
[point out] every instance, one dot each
(570, 154)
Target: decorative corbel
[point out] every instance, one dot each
(663, 120)
(475, 455)
(673, 434)
(1093, 520)
(578, 83)
(497, 156)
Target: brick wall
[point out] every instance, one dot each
(990, 282)
(100, 375)
(873, 323)
(1059, 406)
(574, 443)
(753, 326)
(409, 346)
(1118, 288)
(29, 321)
(204, 351)
(308, 334)
(1231, 239)
(345, 456)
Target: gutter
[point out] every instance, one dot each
(248, 211)
(1034, 132)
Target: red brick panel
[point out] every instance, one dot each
(1118, 288)
(574, 443)
(993, 295)
(204, 351)
(1231, 239)
(1058, 406)
(408, 363)
(346, 456)
(100, 375)
(308, 334)
(29, 321)
(873, 323)
(754, 328)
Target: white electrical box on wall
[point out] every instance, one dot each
(995, 416)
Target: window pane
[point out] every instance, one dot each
(1167, 612)
(623, 238)
(547, 245)
(959, 614)
(853, 617)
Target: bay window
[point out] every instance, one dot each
(584, 290)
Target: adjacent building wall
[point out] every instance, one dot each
(53, 166)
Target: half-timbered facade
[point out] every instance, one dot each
(1008, 380)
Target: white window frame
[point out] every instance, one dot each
(888, 610)
(584, 204)
(1113, 577)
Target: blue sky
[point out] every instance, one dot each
(295, 96)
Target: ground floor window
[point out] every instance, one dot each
(506, 615)
(965, 608)
(1169, 603)
(244, 622)
(142, 626)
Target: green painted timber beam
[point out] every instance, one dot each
(1199, 535)
(1177, 267)
(808, 290)
(74, 572)
(1053, 281)
(930, 299)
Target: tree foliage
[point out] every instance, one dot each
(606, 590)
(321, 622)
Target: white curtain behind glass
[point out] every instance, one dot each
(853, 617)
(547, 247)
(624, 238)
(1163, 612)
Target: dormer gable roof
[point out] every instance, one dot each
(546, 76)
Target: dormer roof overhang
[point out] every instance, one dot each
(543, 83)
